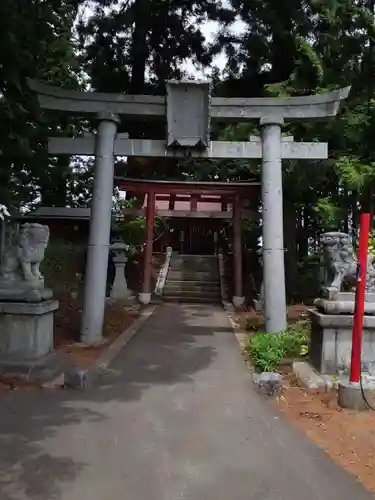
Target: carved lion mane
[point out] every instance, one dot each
(22, 261)
(341, 263)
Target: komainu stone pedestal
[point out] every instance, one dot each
(26, 340)
(331, 342)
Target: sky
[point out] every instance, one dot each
(210, 30)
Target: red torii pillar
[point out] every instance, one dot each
(238, 298)
(145, 295)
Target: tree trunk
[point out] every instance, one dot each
(303, 239)
(139, 50)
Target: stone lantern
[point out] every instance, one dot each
(120, 288)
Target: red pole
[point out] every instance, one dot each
(355, 365)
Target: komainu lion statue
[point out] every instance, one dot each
(341, 264)
(22, 260)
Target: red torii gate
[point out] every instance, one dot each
(231, 196)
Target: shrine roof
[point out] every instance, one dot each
(46, 212)
(188, 187)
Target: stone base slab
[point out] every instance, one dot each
(26, 331)
(331, 342)
(238, 302)
(40, 371)
(24, 291)
(344, 306)
(258, 305)
(145, 298)
(350, 396)
(307, 376)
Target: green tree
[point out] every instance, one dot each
(36, 41)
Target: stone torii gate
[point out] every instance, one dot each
(188, 110)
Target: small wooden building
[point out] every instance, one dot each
(65, 223)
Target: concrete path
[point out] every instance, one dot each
(176, 419)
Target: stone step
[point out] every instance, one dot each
(194, 262)
(183, 292)
(191, 294)
(174, 275)
(192, 300)
(199, 286)
(188, 257)
(182, 266)
(212, 282)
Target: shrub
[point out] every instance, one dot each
(62, 266)
(268, 351)
(253, 322)
(295, 339)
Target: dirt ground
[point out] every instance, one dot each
(296, 313)
(347, 437)
(67, 318)
(67, 325)
(66, 337)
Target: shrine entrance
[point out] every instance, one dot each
(187, 109)
(197, 213)
(198, 237)
(191, 236)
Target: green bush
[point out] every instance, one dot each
(253, 323)
(295, 340)
(268, 351)
(62, 266)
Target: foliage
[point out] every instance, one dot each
(253, 323)
(353, 172)
(4, 212)
(371, 244)
(145, 42)
(286, 48)
(250, 234)
(268, 351)
(35, 42)
(63, 266)
(328, 214)
(132, 230)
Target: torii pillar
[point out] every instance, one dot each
(100, 230)
(273, 233)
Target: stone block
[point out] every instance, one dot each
(26, 329)
(26, 341)
(269, 383)
(331, 342)
(238, 302)
(76, 378)
(351, 397)
(306, 374)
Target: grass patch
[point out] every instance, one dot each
(268, 351)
